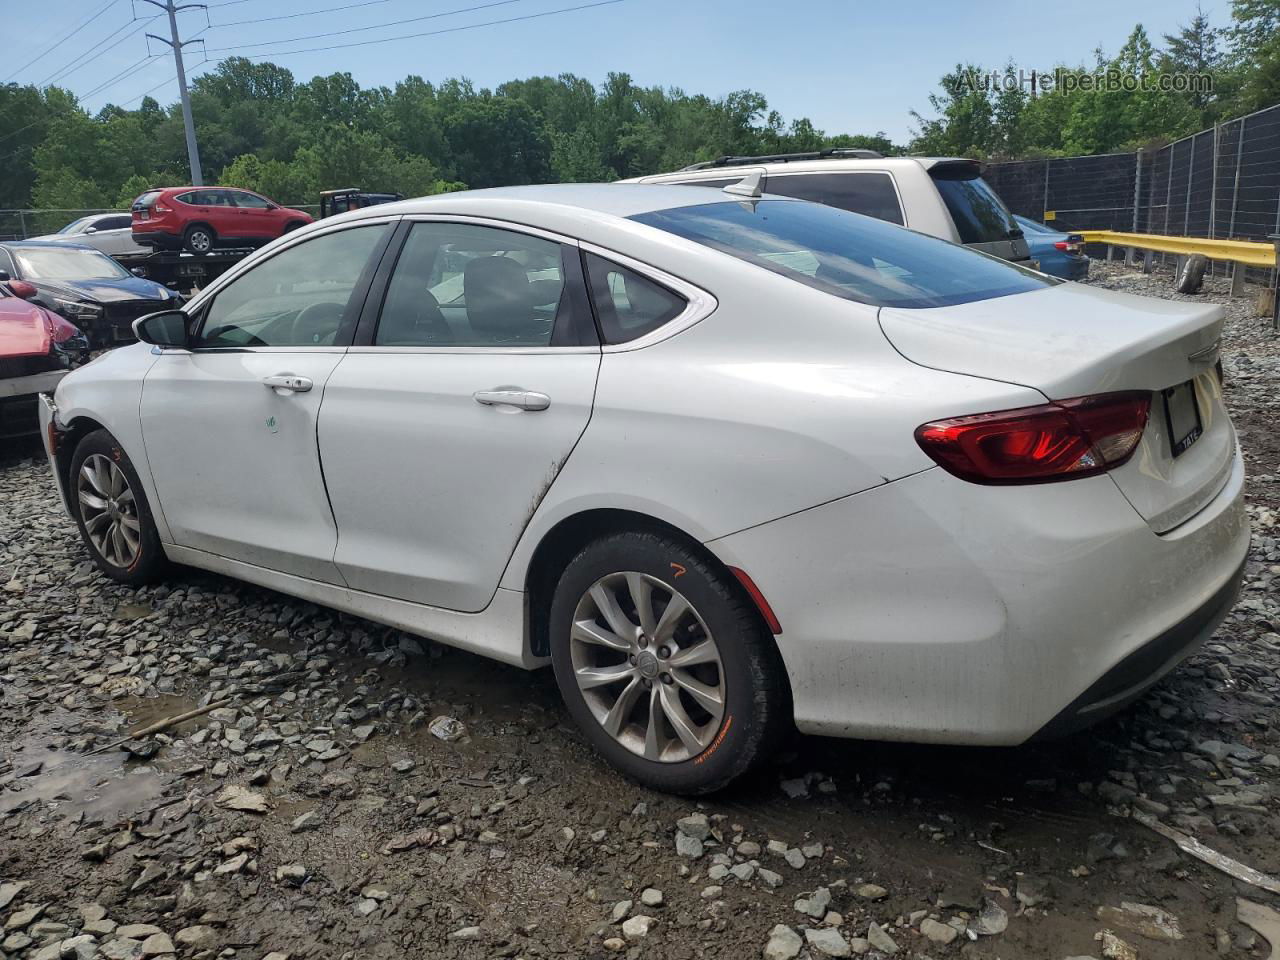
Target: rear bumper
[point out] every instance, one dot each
(29, 385)
(1139, 671)
(157, 238)
(934, 610)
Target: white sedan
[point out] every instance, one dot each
(727, 463)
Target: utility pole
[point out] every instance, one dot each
(193, 152)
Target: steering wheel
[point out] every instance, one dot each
(317, 325)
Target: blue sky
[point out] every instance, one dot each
(850, 66)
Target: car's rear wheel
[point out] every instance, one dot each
(293, 225)
(199, 239)
(112, 512)
(664, 664)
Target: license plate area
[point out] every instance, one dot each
(1182, 415)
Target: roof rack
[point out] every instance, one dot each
(831, 153)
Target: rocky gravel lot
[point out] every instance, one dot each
(355, 792)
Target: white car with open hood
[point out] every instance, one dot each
(725, 462)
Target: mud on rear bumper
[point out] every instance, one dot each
(1143, 668)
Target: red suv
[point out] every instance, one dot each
(201, 218)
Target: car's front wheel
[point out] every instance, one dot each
(665, 665)
(112, 512)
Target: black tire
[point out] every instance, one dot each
(149, 562)
(756, 697)
(1191, 276)
(293, 225)
(199, 239)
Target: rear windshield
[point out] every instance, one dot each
(846, 254)
(980, 216)
(147, 199)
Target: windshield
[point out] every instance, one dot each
(49, 264)
(979, 214)
(846, 254)
(76, 226)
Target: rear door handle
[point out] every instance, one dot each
(513, 397)
(288, 381)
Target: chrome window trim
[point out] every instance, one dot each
(286, 242)
(527, 349)
(699, 303)
(511, 226)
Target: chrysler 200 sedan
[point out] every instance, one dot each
(725, 462)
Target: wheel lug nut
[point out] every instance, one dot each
(632, 658)
(648, 684)
(644, 642)
(667, 678)
(664, 652)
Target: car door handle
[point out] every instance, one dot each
(288, 381)
(513, 397)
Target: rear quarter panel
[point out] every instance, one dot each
(783, 398)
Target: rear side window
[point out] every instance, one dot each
(979, 214)
(114, 223)
(871, 194)
(627, 304)
(193, 197)
(854, 257)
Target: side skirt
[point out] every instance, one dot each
(499, 631)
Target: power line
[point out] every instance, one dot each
(136, 67)
(305, 13)
(63, 39)
(76, 64)
(430, 33)
(376, 26)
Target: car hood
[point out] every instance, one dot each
(24, 329)
(105, 291)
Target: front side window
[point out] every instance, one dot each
(627, 304)
(76, 226)
(301, 297)
(871, 194)
(848, 256)
(50, 263)
(459, 285)
(250, 201)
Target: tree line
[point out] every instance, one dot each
(260, 127)
(1010, 120)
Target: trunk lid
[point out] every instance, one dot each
(1071, 340)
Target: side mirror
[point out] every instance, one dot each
(22, 289)
(4, 276)
(137, 271)
(168, 328)
(90, 229)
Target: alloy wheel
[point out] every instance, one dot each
(648, 667)
(200, 241)
(109, 510)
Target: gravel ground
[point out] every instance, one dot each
(326, 811)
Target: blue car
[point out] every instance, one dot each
(1060, 254)
(86, 286)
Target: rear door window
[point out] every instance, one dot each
(871, 194)
(980, 215)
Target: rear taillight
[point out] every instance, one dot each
(158, 208)
(1072, 245)
(1054, 441)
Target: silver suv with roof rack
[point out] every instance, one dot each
(942, 196)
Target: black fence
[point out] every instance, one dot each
(1222, 183)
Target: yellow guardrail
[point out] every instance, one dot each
(1238, 251)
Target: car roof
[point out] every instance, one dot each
(620, 200)
(823, 164)
(53, 244)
